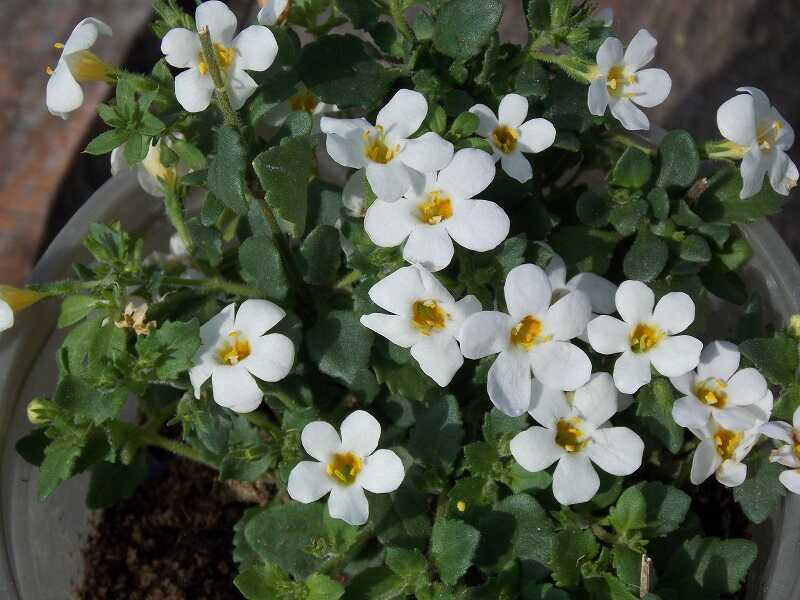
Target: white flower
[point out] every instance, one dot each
(619, 83)
(751, 122)
(254, 49)
(347, 466)
(235, 349)
(425, 318)
(789, 454)
(599, 290)
(393, 162)
(13, 300)
(302, 100)
(533, 336)
(6, 316)
(429, 217)
(273, 12)
(721, 452)
(76, 64)
(646, 336)
(510, 135)
(576, 433)
(151, 171)
(354, 194)
(720, 390)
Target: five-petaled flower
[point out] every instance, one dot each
(441, 209)
(762, 137)
(392, 161)
(533, 336)
(274, 12)
(618, 82)
(425, 318)
(235, 349)
(576, 433)
(510, 134)
(789, 453)
(76, 64)
(717, 388)
(646, 335)
(347, 466)
(254, 49)
(721, 452)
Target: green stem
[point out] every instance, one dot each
(174, 209)
(151, 438)
(348, 280)
(220, 91)
(262, 421)
(216, 284)
(284, 398)
(400, 23)
(624, 140)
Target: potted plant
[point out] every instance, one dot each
(520, 353)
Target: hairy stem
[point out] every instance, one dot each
(400, 23)
(174, 209)
(216, 284)
(220, 91)
(151, 438)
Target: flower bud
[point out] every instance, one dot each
(794, 327)
(37, 412)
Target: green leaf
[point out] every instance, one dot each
(542, 591)
(284, 172)
(776, 357)
(584, 248)
(453, 545)
(679, 161)
(593, 208)
(75, 308)
(107, 141)
(362, 13)
(667, 507)
(646, 258)
(436, 439)
(464, 125)
(532, 80)
(322, 587)
(262, 267)
(630, 512)
(627, 218)
(266, 582)
(721, 203)
(377, 583)
(694, 248)
(409, 564)
(190, 154)
(340, 345)
(736, 253)
(761, 493)
(633, 169)
(170, 349)
(114, 482)
(607, 587)
(787, 403)
(207, 241)
(463, 27)
(136, 149)
(654, 408)
(659, 203)
(227, 170)
(85, 402)
(571, 549)
(59, 462)
(339, 70)
(321, 255)
(708, 567)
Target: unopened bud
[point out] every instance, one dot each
(37, 412)
(794, 327)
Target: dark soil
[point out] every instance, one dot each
(172, 540)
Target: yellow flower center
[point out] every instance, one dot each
(645, 337)
(436, 208)
(505, 138)
(528, 332)
(616, 80)
(726, 442)
(767, 134)
(461, 506)
(305, 101)
(344, 467)
(376, 148)
(233, 350)
(427, 316)
(568, 434)
(225, 57)
(712, 392)
(84, 65)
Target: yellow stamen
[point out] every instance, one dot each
(376, 148)
(528, 332)
(617, 79)
(461, 506)
(427, 316)
(225, 57)
(49, 70)
(58, 45)
(645, 337)
(767, 134)
(436, 208)
(726, 442)
(344, 467)
(305, 101)
(235, 350)
(568, 434)
(711, 392)
(505, 139)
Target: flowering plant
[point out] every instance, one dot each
(454, 249)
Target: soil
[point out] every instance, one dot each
(172, 540)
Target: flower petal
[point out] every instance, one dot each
(627, 113)
(676, 355)
(388, 224)
(7, 315)
(634, 302)
(736, 120)
(389, 181)
(616, 450)
(513, 110)
(568, 317)
(609, 54)
(382, 473)
(199, 374)
(429, 246)
(470, 172)
(575, 480)
(218, 326)
(320, 440)
(598, 96)
(535, 449)
(674, 312)
(517, 166)
(704, 462)
(439, 357)
(256, 48)
(64, 94)
(349, 504)
(560, 365)
(738, 418)
(747, 386)
(651, 88)
(398, 291)
(344, 141)
(427, 153)
(597, 400)
(548, 405)
(718, 359)
(688, 412)
(193, 90)
(631, 371)
(397, 329)
(731, 473)
(487, 120)
(360, 433)
(485, 333)
(640, 51)
(240, 87)
(235, 388)
(600, 290)
(536, 135)
(255, 317)
(608, 335)
(181, 48)
(271, 11)
(509, 383)
(556, 271)
(478, 225)
(783, 173)
(354, 194)
(777, 430)
(309, 481)
(754, 167)
(527, 291)
(796, 418)
(271, 357)
(219, 19)
(791, 480)
(403, 114)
